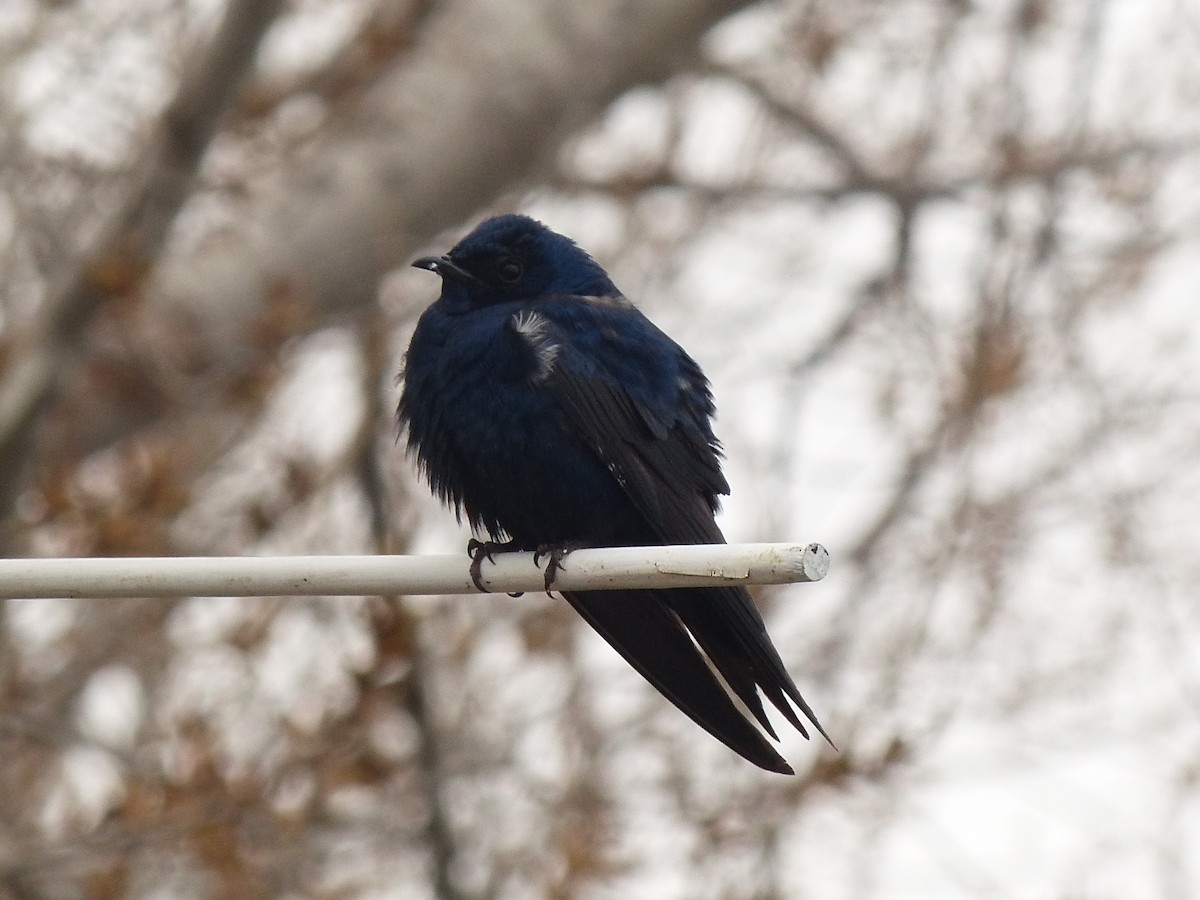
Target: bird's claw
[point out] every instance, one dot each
(481, 550)
(555, 554)
(478, 551)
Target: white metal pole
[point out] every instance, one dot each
(704, 565)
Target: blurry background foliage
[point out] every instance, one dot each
(941, 260)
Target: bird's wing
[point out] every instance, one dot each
(660, 450)
(668, 469)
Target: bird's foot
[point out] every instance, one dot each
(556, 553)
(481, 550)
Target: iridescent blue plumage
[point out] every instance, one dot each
(546, 409)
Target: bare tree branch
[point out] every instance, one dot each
(128, 246)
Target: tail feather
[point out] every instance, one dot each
(646, 629)
(727, 625)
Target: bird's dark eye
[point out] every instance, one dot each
(509, 270)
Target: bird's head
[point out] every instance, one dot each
(515, 257)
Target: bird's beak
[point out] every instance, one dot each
(444, 266)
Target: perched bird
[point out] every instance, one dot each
(553, 415)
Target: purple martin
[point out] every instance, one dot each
(550, 413)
